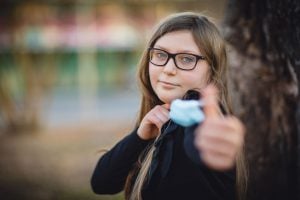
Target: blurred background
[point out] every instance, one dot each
(68, 87)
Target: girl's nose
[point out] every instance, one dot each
(170, 67)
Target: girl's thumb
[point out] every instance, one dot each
(210, 100)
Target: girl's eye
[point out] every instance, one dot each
(160, 55)
(187, 59)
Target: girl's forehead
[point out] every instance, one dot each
(181, 40)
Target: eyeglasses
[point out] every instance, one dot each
(183, 61)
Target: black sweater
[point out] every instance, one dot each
(176, 171)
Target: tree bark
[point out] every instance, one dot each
(264, 60)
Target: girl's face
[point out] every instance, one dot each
(168, 81)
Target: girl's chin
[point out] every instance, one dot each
(168, 100)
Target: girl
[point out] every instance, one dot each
(161, 159)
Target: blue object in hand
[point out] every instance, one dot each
(186, 112)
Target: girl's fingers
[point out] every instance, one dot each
(158, 116)
(216, 153)
(227, 130)
(166, 106)
(165, 110)
(161, 119)
(219, 141)
(152, 122)
(217, 161)
(224, 148)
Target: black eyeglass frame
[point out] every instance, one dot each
(173, 55)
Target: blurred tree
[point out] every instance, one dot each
(264, 38)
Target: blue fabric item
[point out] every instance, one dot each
(186, 112)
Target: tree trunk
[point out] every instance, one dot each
(264, 60)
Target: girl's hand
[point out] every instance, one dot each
(153, 121)
(218, 138)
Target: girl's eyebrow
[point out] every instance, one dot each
(160, 47)
(180, 51)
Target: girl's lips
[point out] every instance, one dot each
(165, 83)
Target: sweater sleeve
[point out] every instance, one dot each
(189, 145)
(112, 169)
(218, 180)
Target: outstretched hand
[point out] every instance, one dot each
(219, 138)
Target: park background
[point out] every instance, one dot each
(68, 87)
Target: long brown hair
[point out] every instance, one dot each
(211, 45)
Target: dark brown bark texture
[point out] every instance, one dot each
(264, 61)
